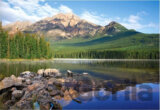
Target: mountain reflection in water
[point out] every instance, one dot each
(108, 85)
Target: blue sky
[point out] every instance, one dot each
(142, 16)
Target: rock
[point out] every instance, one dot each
(40, 71)
(21, 79)
(45, 106)
(25, 73)
(9, 103)
(25, 104)
(33, 86)
(67, 96)
(69, 73)
(44, 100)
(58, 97)
(13, 89)
(52, 80)
(51, 87)
(9, 82)
(63, 89)
(85, 73)
(61, 80)
(51, 72)
(28, 81)
(73, 93)
(54, 92)
(17, 94)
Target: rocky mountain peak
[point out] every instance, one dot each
(114, 27)
(67, 19)
(113, 23)
(65, 25)
(67, 16)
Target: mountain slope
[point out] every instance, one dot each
(129, 43)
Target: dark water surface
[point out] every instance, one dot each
(138, 82)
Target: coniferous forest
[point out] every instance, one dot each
(20, 45)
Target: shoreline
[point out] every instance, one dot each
(74, 59)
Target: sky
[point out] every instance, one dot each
(140, 15)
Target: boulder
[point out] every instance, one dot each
(25, 73)
(51, 72)
(17, 94)
(9, 82)
(40, 71)
(69, 73)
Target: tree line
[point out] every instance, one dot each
(111, 54)
(21, 45)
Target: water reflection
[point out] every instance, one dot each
(109, 84)
(129, 98)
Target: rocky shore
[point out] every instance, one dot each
(43, 88)
(46, 87)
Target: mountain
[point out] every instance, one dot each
(65, 26)
(114, 27)
(72, 37)
(18, 25)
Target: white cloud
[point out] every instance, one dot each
(65, 9)
(32, 10)
(133, 19)
(96, 19)
(133, 22)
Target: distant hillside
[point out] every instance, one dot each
(128, 44)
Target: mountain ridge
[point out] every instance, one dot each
(65, 26)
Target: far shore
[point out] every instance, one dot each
(76, 59)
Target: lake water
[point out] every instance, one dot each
(137, 81)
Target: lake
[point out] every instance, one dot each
(135, 83)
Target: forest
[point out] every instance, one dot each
(111, 54)
(126, 45)
(23, 46)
